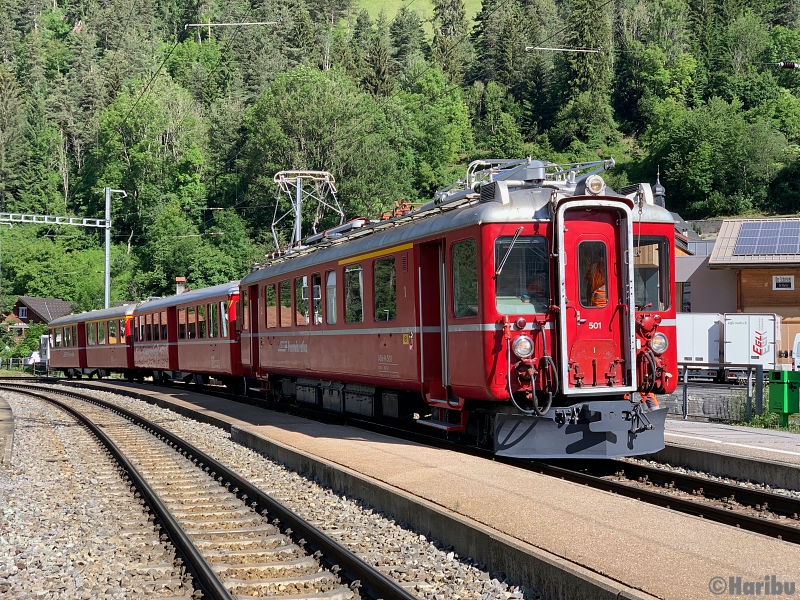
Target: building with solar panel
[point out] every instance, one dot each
(762, 258)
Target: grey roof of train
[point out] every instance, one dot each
(530, 204)
(190, 296)
(95, 315)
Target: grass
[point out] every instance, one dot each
(423, 7)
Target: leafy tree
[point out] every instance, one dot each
(12, 132)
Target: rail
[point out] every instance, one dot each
(375, 583)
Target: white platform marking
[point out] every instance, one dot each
(704, 439)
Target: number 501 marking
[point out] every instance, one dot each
(594, 325)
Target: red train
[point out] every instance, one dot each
(525, 307)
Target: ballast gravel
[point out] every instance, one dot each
(426, 568)
(69, 526)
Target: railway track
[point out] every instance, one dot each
(709, 499)
(235, 540)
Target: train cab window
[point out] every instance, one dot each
(353, 294)
(523, 284)
(651, 273)
(181, 323)
(191, 325)
(330, 297)
(301, 300)
(465, 279)
(213, 321)
(593, 274)
(91, 334)
(272, 305)
(112, 331)
(164, 325)
(201, 321)
(285, 299)
(223, 321)
(316, 297)
(385, 282)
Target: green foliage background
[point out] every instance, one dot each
(393, 98)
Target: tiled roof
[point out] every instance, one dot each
(46, 309)
(723, 256)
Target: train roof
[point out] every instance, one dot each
(225, 289)
(95, 315)
(454, 209)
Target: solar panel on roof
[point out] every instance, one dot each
(768, 237)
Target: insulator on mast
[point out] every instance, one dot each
(787, 64)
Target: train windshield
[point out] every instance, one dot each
(651, 273)
(523, 286)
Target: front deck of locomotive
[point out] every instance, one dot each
(580, 298)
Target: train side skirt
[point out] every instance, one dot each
(602, 429)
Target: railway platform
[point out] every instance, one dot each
(764, 455)
(6, 434)
(567, 540)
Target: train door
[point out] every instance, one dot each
(596, 318)
(434, 371)
(255, 310)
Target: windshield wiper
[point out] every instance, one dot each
(508, 252)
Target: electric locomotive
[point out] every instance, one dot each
(528, 307)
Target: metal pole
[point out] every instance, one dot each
(685, 392)
(749, 394)
(759, 389)
(107, 279)
(298, 213)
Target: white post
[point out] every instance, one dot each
(107, 280)
(298, 213)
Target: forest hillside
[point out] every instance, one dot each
(193, 122)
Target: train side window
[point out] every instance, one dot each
(245, 312)
(148, 328)
(353, 294)
(651, 284)
(465, 278)
(122, 323)
(316, 290)
(223, 311)
(385, 289)
(55, 338)
(301, 300)
(330, 297)
(523, 285)
(112, 331)
(163, 325)
(213, 321)
(272, 306)
(285, 299)
(74, 335)
(101, 332)
(156, 327)
(141, 329)
(593, 274)
(181, 323)
(67, 337)
(201, 321)
(91, 333)
(191, 325)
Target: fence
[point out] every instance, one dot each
(18, 364)
(718, 402)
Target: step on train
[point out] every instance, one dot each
(527, 308)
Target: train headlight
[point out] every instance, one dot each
(522, 346)
(659, 343)
(595, 184)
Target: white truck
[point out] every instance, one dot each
(719, 347)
